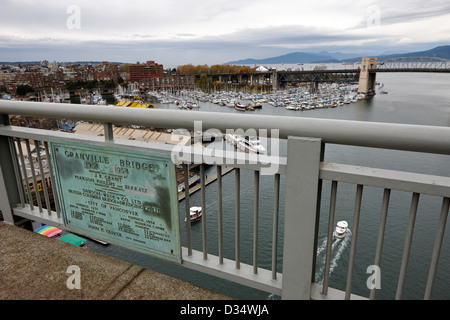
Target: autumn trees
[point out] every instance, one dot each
(189, 69)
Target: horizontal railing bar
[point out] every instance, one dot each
(391, 179)
(187, 154)
(43, 217)
(333, 294)
(420, 138)
(228, 271)
(47, 135)
(267, 164)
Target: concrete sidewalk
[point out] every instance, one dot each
(34, 267)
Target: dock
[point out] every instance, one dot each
(195, 188)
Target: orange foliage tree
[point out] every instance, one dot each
(189, 69)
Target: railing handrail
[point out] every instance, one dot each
(303, 167)
(407, 137)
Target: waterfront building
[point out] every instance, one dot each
(168, 83)
(48, 74)
(142, 72)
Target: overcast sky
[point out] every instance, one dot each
(214, 32)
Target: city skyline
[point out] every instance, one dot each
(178, 33)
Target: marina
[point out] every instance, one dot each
(233, 151)
(412, 100)
(328, 95)
(399, 105)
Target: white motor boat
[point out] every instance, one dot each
(232, 138)
(195, 214)
(256, 144)
(341, 229)
(239, 106)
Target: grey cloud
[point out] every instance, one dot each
(119, 37)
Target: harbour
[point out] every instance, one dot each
(397, 106)
(294, 151)
(411, 99)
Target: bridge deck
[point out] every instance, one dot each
(327, 71)
(33, 267)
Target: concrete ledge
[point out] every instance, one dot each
(33, 267)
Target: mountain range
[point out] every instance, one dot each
(337, 57)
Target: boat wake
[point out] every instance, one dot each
(337, 248)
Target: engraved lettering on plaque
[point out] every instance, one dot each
(124, 197)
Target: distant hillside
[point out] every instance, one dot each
(294, 57)
(325, 57)
(438, 52)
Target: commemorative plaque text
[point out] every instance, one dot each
(124, 197)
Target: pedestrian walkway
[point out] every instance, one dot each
(34, 267)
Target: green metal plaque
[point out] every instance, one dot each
(124, 197)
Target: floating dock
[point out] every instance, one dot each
(195, 188)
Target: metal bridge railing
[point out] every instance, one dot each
(301, 174)
(415, 63)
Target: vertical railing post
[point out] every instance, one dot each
(9, 192)
(302, 179)
(108, 130)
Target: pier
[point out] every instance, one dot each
(198, 186)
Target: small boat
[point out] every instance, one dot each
(341, 229)
(257, 145)
(192, 105)
(239, 106)
(246, 146)
(195, 214)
